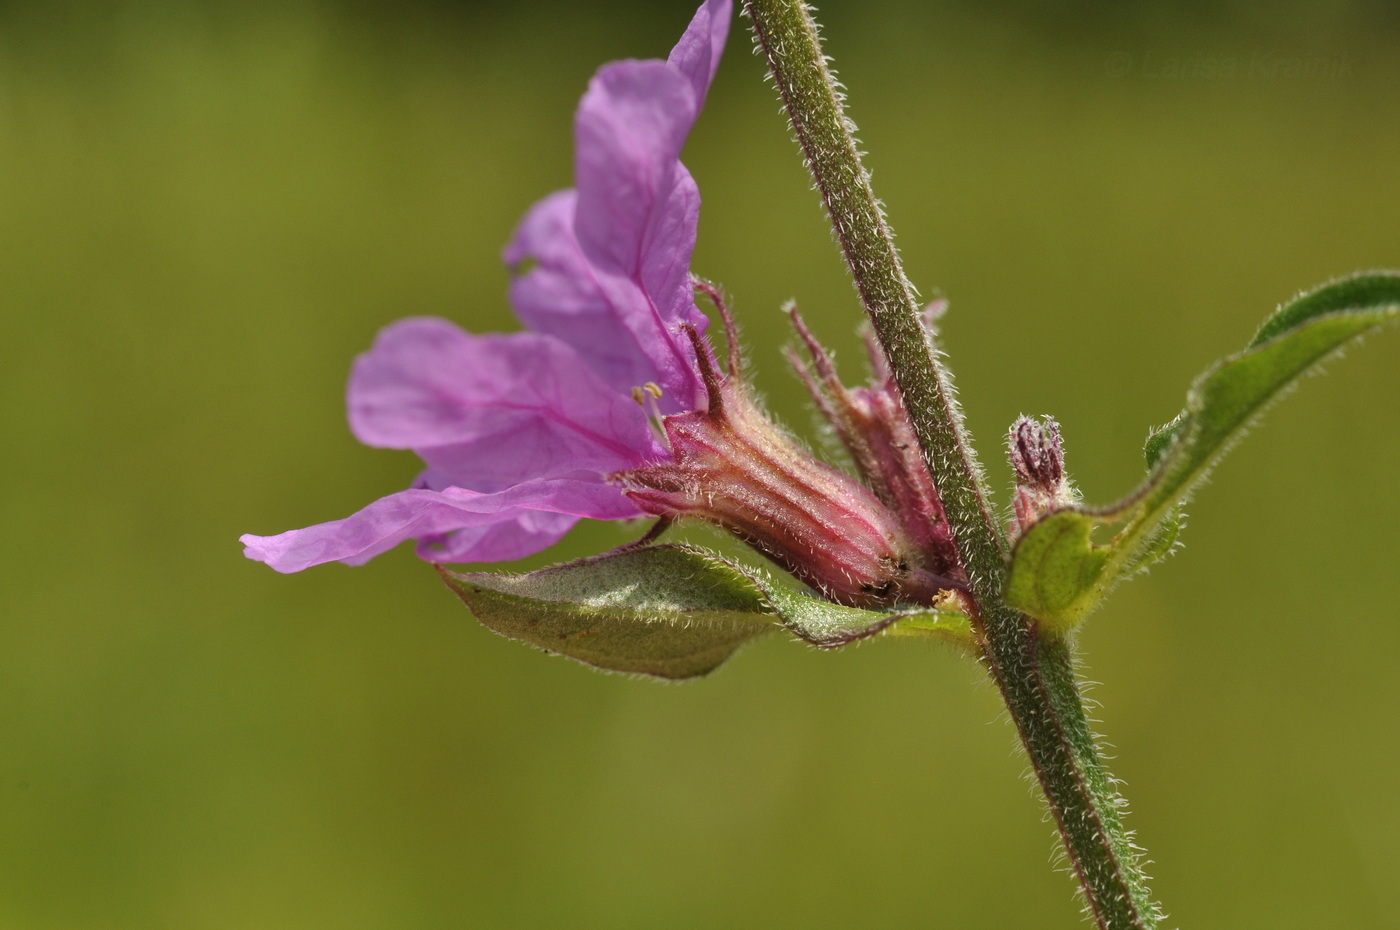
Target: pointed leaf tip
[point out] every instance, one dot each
(674, 612)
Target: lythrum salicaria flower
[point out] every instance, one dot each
(520, 432)
(612, 405)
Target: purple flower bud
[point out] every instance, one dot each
(1037, 454)
(1038, 458)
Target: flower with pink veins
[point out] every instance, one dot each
(520, 432)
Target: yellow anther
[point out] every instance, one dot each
(639, 396)
(652, 388)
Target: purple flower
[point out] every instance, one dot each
(520, 432)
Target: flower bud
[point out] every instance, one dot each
(1037, 454)
(873, 424)
(1038, 458)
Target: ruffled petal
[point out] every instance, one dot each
(696, 55)
(628, 134)
(529, 532)
(666, 251)
(561, 295)
(612, 257)
(622, 263)
(420, 513)
(488, 412)
(629, 130)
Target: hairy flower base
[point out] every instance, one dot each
(731, 467)
(873, 424)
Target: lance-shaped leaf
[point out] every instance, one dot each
(1058, 574)
(672, 611)
(664, 611)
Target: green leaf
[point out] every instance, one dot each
(1365, 292)
(1058, 574)
(1161, 439)
(664, 611)
(1054, 566)
(825, 624)
(673, 611)
(1161, 543)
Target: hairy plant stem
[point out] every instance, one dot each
(1035, 674)
(788, 38)
(1036, 677)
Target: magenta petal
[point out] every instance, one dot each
(421, 513)
(637, 210)
(628, 133)
(696, 55)
(561, 296)
(624, 322)
(612, 258)
(666, 250)
(528, 532)
(491, 411)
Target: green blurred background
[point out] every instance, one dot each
(206, 209)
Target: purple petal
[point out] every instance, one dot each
(561, 296)
(696, 55)
(488, 412)
(530, 532)
(420, 513)
(636, 212)
(624, 321)
(628, 134)
(666, 250)
(612, 275)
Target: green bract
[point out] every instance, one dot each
(672, 611)
(1058, 574)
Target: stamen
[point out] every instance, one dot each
(646, 396)
(657, 418)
